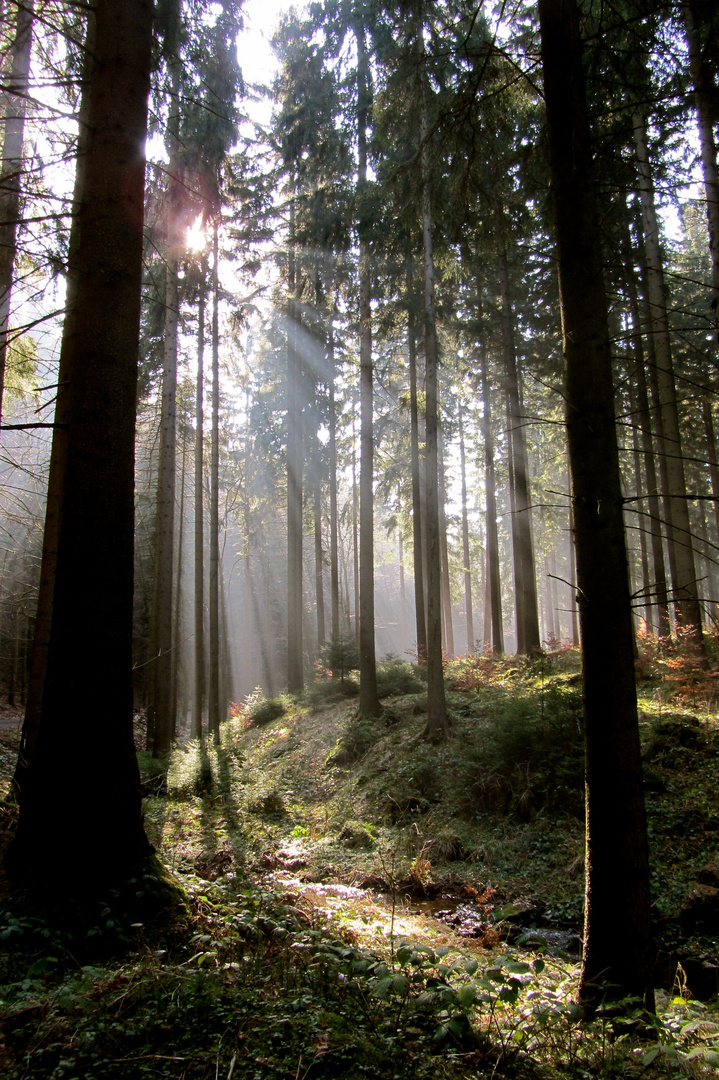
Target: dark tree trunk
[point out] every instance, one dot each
(524, 572)
(703, 90)
(177, 665)
(417, 524)
(334, 560)
(80, 825)
(684, 581)
(161, 720)
(15, 98)
(199, 517)
(214, 704)
(493, 581)
(295, 403)
(53, 506)
(618, 955)
(368, 701)
(444, 550)
(438, 722)
(319, 570)
(644, 421)
(465, 540)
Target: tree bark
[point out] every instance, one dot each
(80, 826)
(702, 80)
(368, 700)
(15, 97)
(438, 722)
(199, 516)
(525, 579)
(334, 559)
(162, 721)
(53, 505)
(417, 524)
(444, 550)
(319, 570)
(644, 422)
(465, 540)
(214, 698)
(618, 954)
(686, 603)
(493, 580)
(295, 403)
(177, 621)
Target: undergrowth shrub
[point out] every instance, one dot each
(395, 676)
(267, 710)
(360, 734)
(530, 758)
(415, 783)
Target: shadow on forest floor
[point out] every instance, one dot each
(367, 904)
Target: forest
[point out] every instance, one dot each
(359, 517)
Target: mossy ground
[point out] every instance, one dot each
(286, 967)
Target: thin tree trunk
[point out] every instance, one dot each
(417, 524)
(703, 94)
(644, 421)
(199, 517)
(641, 523)
(525, 576)
(572, 559)
(319, 572)
(334, 560)
(15, 98)
(444, 552)
(214, 713)
(465, 540)
(355, 544)
(176, 630)
(686, 602)
(295, 402)
(368, 701)
(493, 579)
(161, 721)
(402, 594)
(618, 955)
(438, 722)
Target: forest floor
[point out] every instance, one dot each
(363, 903)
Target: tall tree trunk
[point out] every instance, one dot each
(80, 826)
(703, 88)
(417, 524)
(319, 571)
(686, 602)
(162, 721)
(368, 700)
(661, 597)
(355, 545)
(641, 523)
(177, 625)
(199, 516)
(438, 722)
(444, 551)
(618, 954)
(402, 593)
(493, 580)
(525, 576)
(465, 540)
(334, 560)
(58, 452)
(214, 709)
(15, 98)
(295, 404)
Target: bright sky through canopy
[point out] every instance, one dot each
(257, 60)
